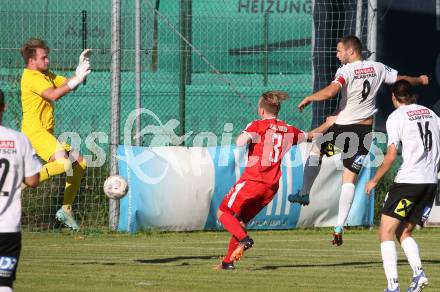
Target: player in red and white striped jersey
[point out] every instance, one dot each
(269, 139)
(359, 81)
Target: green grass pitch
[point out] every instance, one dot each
(294, 260)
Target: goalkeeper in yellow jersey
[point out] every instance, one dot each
(40, 88)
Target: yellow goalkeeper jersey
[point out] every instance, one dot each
(37, 111)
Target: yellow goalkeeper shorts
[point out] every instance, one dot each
(45, 143)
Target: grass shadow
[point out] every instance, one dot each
(175, 259)
(343, 264)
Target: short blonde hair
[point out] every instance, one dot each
(270, 101)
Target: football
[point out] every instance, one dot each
(115, 187)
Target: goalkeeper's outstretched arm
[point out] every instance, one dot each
(81, 73)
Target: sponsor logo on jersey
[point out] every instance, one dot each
(8, 151)
(362, 71)
(7, 144)
(7, 266)
(403, 208)
(426, 212)
(418, 112)
(358, 161)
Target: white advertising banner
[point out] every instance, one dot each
(180, 188)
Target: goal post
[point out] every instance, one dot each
(333, 20)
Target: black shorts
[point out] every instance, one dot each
(10, 246)
(353, 140)
(410, 202)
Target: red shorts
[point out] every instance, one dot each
(246, 198)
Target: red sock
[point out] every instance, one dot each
(232, 225)
(233, 242)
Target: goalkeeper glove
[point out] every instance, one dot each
(81, 73)
(85, 56)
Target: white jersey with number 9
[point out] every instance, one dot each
(360, 82)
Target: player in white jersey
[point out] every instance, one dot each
(359, 81)
(416, 130)
(18, 163)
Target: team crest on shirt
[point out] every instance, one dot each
(403, 208)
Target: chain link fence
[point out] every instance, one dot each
(204, 64)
